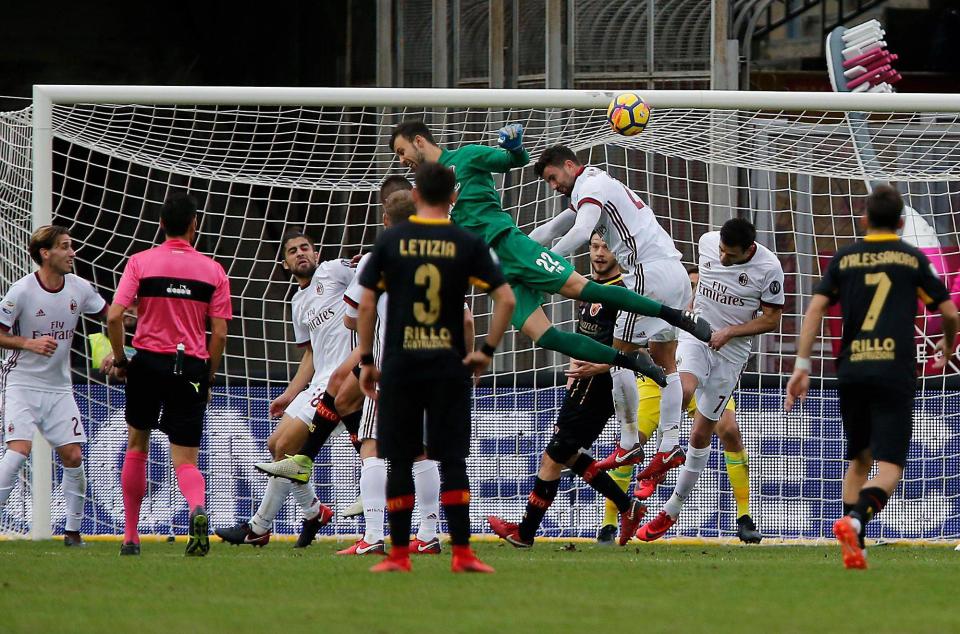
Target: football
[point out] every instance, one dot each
(628, 114)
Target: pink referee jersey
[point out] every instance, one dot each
(178, 289)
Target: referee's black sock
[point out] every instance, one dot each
(400, 499)
(847, 508)
(539, 500)
(586, 467)
(325, 420)
(455, 498)
(871, 501)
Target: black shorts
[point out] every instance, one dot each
(587, 406)
(878, 418)
(159, 399)
(415, 412)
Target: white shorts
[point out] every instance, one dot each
(305, 404)
(665, 281)
(368, 420)
(717, 377)
(54, 414)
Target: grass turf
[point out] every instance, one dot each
(648, 588)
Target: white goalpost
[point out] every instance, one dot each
(100, 159)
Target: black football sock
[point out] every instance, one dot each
(325, 420)
(847, 507)
(539, 500)
(586, 467)
(871, 501)
(455, 498)
(351, 423)
(400, 499)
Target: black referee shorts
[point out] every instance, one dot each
(878, 418)
(431, 412)
(587, 406)
(159, 399)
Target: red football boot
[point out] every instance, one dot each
(465, 560)
(853, 555)
(363, 548)
(630, 520)
(662, 462)
(621, 457)
(420, 547)
(656, 528)
(508, 531)
(398, 561)
(646, 488)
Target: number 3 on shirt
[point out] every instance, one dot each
(428, 275)
(547, 262)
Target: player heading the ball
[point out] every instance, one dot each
(530, 268)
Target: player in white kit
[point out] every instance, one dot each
(738, 279)
(38, 316)
(318, 311)
(652, 267)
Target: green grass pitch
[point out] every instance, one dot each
(554, 587)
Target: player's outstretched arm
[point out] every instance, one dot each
(557, 226)
(587, 218)
(950, 323)
(800, 381)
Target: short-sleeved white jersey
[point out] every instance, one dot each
(318, 311)
(31, 310)
(631, 230)
(732, 295)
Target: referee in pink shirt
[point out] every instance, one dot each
(168, 381)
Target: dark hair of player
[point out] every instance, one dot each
(555, 156)
(435, 183)
(411, 130)
(738, 232)
(884, 208)
(393, 183)
(177, 213)
(45, 238)
(292, 234)
(597, 232)
(399, 206)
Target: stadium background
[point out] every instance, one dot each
(591, 44)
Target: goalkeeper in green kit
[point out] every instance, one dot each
(532, 269)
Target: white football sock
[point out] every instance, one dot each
(270, 505)
(671, 404)
(626, 401)
(9, 469)
(74, 495)
(373, 491)
(306, 497)
(696, 461)
(426, 480)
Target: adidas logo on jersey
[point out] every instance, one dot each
(40, 313)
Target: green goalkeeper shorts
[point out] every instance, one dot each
(532, 270)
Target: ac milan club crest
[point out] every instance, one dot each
(73, 306)
(319, 288)
(743, 279)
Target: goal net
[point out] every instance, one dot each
(262, 161)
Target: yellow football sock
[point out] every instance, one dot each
(648, 413)
(739, 474)
(622, 477)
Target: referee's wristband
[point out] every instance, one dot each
(121, 362)
(803, 363)
(487, 349)
(366, 359)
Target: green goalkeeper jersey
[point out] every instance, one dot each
(478, 208)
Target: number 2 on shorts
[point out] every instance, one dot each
(547, 262)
